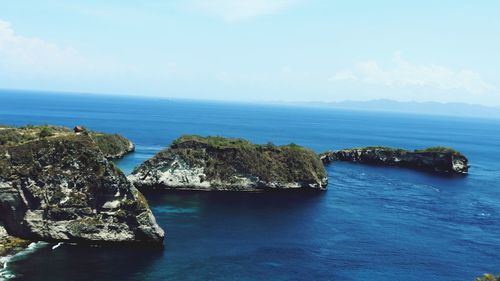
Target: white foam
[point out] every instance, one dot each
(57, 245)
(5, 273)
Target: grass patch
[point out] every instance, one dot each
(440, 149)
(10, 135)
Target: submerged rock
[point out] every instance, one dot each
(434, 159)
(62, 188)
(216, 163)
(112, 145)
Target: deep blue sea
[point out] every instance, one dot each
(373, 223)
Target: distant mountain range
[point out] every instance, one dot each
(431, 108)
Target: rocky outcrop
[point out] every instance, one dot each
(113, 146)
(216, 163)
(435, 159)
(62, 188)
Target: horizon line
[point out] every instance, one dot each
(149, 96)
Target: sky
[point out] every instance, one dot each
(255, 50)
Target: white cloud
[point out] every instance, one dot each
(343, 75)
(405, 73)
(35, 56)
(238, 10)
(30, 62)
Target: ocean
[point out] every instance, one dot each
(373, 223)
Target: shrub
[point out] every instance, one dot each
(8, 136)
(442, 149)
(45, 132)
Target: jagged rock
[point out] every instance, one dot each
(62, 188)
(434, 159)
(216, 163)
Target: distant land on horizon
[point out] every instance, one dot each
(428, 108)
(376, 105)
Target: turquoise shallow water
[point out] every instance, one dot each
(372, 224)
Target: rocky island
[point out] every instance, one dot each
(217, 163)
(435, 159)
(61, 187)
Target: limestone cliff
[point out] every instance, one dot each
(434, 159)
(216, 163)
(62, 188)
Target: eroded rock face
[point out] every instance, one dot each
(444, 161)
(62, 188)
(215, 163)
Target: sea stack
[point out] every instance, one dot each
(62, 188)
(435, 159)
(217, 163)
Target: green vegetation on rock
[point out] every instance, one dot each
(112, 145)
(195, 162)
(439, 149)
(488, 277)
(10, 135)
(225, 157)
(45, 132)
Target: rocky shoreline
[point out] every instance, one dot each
(435, 159)
(221, 164)
(10, 245)
(59, 185)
